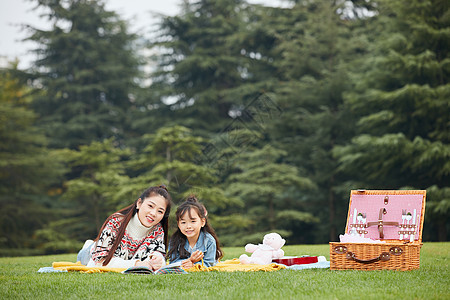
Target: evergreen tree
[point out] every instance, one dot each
(266, 187)
(29, 172)
(201, 64)
(94, 192)
(171, 157)
(311, 53)
(403, 104)
(86, 66)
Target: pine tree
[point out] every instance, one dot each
(403, 105)
(86, 66)
(266, 186)
(311, 53)
(29, 172)
(96, 191)
(170, 157)
(201, 64)
(173, 156)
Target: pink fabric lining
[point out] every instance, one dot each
(371, 204)
(347, 238)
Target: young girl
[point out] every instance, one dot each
(133, 236)
(194, 239)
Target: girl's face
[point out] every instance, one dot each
(190, 225)
(151, 210)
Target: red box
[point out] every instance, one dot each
(296, 260)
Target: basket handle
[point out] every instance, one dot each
(384, 256)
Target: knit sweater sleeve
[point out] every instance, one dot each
(154, 242)
(152, 245)
(106, 239)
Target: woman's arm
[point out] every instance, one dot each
(117, 262)
(107, 237)
(155, 262)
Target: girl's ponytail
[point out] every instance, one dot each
(191, 199)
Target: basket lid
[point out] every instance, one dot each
(386, 214)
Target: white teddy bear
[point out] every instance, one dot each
(264, 253)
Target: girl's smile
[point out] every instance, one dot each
(190, 225)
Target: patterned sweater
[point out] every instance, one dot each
(138, 243)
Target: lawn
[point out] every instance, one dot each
(19, 280)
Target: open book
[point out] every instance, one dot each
(174, 268)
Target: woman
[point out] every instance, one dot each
(133, 236)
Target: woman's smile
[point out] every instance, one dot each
(151, 210)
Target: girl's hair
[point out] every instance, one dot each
(129, 211)
(178, 239)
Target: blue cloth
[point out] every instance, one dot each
(84, 255)
(50, 270)
(205, 243)
(317, 265)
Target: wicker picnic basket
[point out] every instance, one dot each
(395, 218)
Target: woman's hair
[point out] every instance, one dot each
(178, 239)
(128, 213)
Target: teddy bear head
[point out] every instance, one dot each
(274, 240)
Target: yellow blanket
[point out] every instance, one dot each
(231, 265)
(70, 266)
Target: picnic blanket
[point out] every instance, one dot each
(233, 265)
(70, 266)
(225, 266)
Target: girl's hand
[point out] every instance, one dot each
(187, 263)
(196, 256)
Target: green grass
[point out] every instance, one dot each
(19, 280)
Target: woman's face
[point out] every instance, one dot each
(151, 210)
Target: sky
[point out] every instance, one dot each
(16, 12)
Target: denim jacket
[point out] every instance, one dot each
(205, 243)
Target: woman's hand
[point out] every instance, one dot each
(156, 262)
(145, 263)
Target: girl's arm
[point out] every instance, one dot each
(209, 258)
(175, 258)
